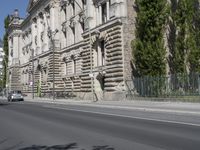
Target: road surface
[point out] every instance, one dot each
(40, 126)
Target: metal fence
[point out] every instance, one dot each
(165, 86)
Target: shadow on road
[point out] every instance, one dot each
(3, 104)
(72, 146)
(55, 147)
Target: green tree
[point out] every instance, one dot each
(193, 39)
(185, 37)
(6, 50)
(148, 47)
(179, 52)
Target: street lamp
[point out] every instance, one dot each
(32, 53)
(1, 75)
(50, 35)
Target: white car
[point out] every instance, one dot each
(15, 96)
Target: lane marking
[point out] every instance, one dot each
(141, 108)
(124, 116)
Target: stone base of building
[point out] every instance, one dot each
(105, 96)
(96, 96)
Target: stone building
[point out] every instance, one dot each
(72, 46)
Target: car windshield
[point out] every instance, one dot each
(16, 92)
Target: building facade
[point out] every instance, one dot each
(81, 47)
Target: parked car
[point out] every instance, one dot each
(15, 96)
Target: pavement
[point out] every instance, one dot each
(143, 105)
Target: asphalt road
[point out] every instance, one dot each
(36, 126)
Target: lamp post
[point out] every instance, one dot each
(1, 74)
(50, 35)
(32, 53)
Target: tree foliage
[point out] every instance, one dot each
(181, 14)
(6, 50)
(193, 39)
(185, 35)
(148, 47)
(183, 40)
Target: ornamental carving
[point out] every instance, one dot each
(36, 40)
(11, 52)
(98, 2)
(64, 28)
(73, 54)
(70, 2)
(72, 23)
(82, 17)
(63, 3)
(42, 36)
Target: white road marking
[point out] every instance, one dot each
(124, 116)
(141, 108)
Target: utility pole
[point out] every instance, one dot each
(53, 44)
(91, 63)
(51, 34)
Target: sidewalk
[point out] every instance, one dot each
(153, 106)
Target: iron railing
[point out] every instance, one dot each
(165, 86)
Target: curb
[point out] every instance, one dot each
(114, 106)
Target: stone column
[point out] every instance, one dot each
(90, 13)
(97, 15)
(15, 45)
(100, 14)
(108, 10)
(45, 33)
(63, 19)
(10, 48)
(33, 28)
(54, 20)
(38, 36)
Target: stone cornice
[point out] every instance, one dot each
(32, 5)
(38, 4)
(103, 26)
(99, 2)
(26, 21)
(71, 47)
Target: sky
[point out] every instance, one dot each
(7, 7)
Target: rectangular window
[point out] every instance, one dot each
(73, 8)
(99, 53)
(74, 66)
(83, 4)
(102, 45)
(66, 69)
(104, 12)
(74, 34)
